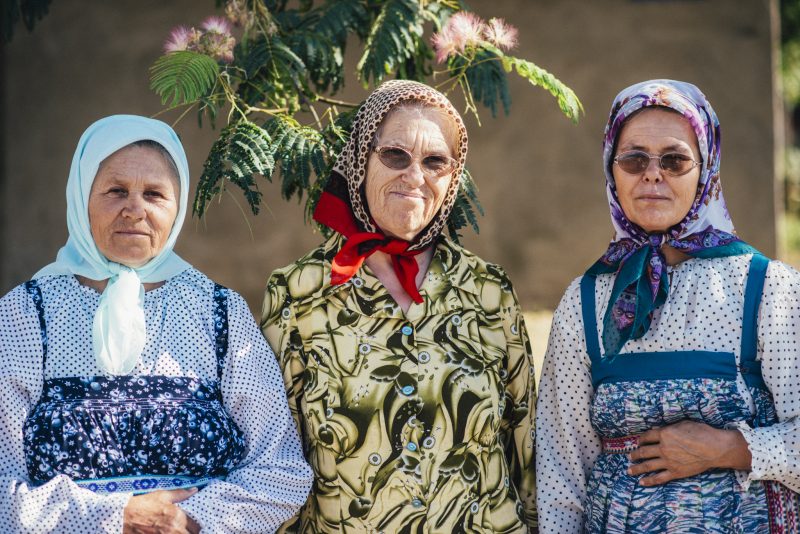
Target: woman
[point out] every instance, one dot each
(127, 372)
(406, 361)
(669, 398)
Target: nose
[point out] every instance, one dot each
(134, 207)
(653, 172)
(413, 174)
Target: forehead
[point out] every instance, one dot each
(135, 162)
(435, 122)
(657, 125)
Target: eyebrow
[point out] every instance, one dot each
(670, 148)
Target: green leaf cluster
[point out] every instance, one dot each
(288, 67)
(29, 11)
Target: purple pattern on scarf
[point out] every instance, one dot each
(706, 225)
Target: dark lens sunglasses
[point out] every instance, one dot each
(432, 165)
(673, 163)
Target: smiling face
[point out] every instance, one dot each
(403, 202)
(133, 205)
(653, 199)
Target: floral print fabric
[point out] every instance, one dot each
(412, 423)
(96, 427)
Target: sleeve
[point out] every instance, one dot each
(520, 401)
(279, 327)
(273, 480)
(566, 444)
(59, 506)
(775, 449)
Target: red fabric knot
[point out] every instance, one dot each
(334, 213)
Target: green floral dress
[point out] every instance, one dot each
(415, 422)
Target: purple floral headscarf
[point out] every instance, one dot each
(705, 231)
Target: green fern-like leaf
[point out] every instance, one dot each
(487, 80)
(299, 151)
(273, 74)
(241, 152)
(183, 76)
(337, 18)
(567, 99)
(392, 40)
(464, 208)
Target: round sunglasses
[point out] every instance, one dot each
(432, 165)
(673, 163)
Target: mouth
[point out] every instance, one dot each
(132, 233)
(409, 195)
(649, 198)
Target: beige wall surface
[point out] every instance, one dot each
(540, 177)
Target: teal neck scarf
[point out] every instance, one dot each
(119, 328)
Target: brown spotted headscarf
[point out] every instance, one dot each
(343, 205)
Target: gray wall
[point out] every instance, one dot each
(540, 176)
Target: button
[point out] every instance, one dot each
(429, 442)
(375, 458)
(456, 320)
(474, 507)
(416, 503)
(424, 357)
(407, 330)
(407, 390)
(364, 348)
(411, 446)
(358, 282)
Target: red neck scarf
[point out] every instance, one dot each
(335, 213)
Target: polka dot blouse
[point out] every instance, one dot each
(265, 489)
(703, 312)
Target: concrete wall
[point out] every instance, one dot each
(540, 176)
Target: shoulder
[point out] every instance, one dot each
(306, 276)
(192, 285)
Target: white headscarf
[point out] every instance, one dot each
(119, 326)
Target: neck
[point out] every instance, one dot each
(100, 285)
(380, 264)
(672, 255)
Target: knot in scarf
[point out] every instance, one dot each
(333, 212)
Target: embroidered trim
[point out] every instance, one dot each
(141, 484)
(621, 445)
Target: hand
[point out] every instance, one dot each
(686, 449)
(156, 513)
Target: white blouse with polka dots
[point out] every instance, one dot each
(703, 312)
(267, 487)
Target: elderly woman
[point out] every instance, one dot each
(405, 357)
(669, 399)
(127, 372)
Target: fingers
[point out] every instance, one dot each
(656, 479)
(647, 467)
(178, 495)
(651, 436)
(645, 453)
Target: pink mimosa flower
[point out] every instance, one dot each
(217, 25)
(179, 39)
(500, 34)
(466, 29)
(444, 45)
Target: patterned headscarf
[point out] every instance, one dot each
(705, 232)
(343, 206)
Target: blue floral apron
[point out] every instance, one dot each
(636, 392)
(133, 433)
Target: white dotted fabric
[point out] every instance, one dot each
(273, 479)
(703, 312)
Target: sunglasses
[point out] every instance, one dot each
(673, 163)
(432, 165)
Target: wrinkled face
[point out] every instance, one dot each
(403, 202)
(653, 199)
(133, 205)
